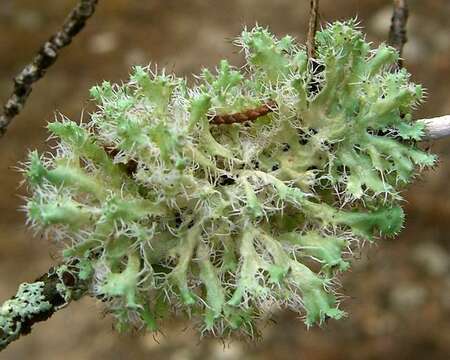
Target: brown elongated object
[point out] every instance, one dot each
(244, 116)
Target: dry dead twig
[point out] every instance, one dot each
(45, 57)
(312, 28)
(397, 33)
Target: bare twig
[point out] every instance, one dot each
(436, 128)
(312, 28)
(397, 33)
(58, 287)
(44, 59)
(313, 85)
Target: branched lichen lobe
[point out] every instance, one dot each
(169, 212)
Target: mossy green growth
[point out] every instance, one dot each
(167, 212)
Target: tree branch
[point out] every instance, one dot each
(312, 28)
(46, 57)
(436, 128)
(38, 301)
(397, 33)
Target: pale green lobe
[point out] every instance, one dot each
(185, 252)
(215, 294)
(82, 142)
(327, 249)
(384, 56)
(66, 212)
(318, 303)
(199, 109)
(124, 284)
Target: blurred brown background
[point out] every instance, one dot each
(398, 291)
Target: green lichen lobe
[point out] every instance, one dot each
(166, 212)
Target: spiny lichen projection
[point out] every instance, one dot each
(226, 223)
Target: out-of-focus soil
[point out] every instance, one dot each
(398, 291)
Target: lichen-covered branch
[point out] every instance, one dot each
(312, 28)
(397, 33)
(46, 56)
(37, 301)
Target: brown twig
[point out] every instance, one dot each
(59, 285)
(46, 56)
(312, 28)
(247, 115)
(397, 33)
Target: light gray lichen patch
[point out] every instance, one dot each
(29, 301)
